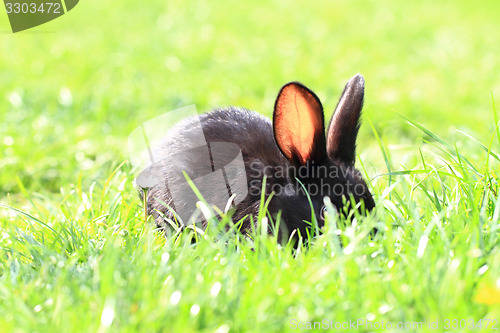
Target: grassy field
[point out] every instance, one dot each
(76, 254)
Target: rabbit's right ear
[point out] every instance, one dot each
(298, 122)
(344, 126)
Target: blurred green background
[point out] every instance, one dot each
(73, 89)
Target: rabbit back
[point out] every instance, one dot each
(249, 132)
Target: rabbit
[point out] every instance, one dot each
(292, 153)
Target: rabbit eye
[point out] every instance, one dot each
(322, 212)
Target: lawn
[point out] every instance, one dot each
(76, 254)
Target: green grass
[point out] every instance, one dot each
(76, 255)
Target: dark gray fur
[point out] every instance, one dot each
(254, 135)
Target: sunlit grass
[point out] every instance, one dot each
(93, 262)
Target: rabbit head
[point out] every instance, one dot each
(322, 165)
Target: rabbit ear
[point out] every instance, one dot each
(298, 122)
(344, 126)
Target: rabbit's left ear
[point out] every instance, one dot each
(298, 123)
(344, 126)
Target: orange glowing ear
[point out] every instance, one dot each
(298, 123)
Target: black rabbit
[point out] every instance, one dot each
(293, 154)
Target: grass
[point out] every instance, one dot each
(76, 253)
